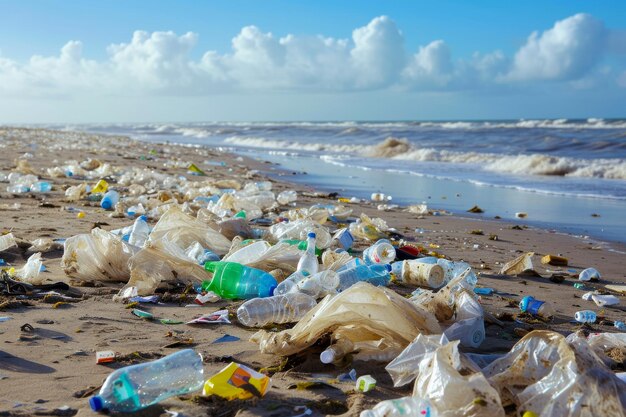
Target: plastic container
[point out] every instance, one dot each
(589, 274)
(382, 252)
(232, 280)
(424, 274)
(585, 316)
(109, 200)
(365, 383)
(374, 274)
(536, 307)
(41, 187)
(405, 406)
(138, 386)
(140, 232)
(278, 309)
(308, 264)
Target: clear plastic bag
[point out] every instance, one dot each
(379, 322)
(31, 271)
(99, 256)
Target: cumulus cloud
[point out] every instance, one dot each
(375, 57)
(566, 51)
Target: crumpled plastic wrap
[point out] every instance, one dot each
(98, 256)
(31, 272)
(184, 230)
(368, 228)
(454, 386)
(334, 260)
(442, 303)
(262, 255)
(44, 244)
(469, 326)
(299, 229)
(551, 376)
(379, 322)
(7, 242)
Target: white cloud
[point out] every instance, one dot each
(566, 51)
(373, 58)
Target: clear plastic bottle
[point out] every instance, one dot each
(536, 307)
(41, 187)
(109, 200)
(289, 283)
(585, 316)
(138, 386)
(140, 232)
(351, 265)
(374, 274)
(381, 252)
(337, 351)
(287, 197)
(318, 285)
(620, 325)
(232, 280)
(405, 406)
(18, 188)
(277, 309)
(308, 262)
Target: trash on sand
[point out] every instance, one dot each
(105, 356)
(237, 381)
(225, 339)
(365, 383)
(589, 274)
(554, 260)
(536, 307)
(220, 316)
(519, 265)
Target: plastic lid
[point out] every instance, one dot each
(388, 267)
(310, 234)
(96, 403)
(327, 356)
(144, 217)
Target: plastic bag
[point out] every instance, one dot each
(299, 230)
(44, 244)
(31, 271)
(7, 241)
(404, 368)
(262, 255)
(546, 374)
(469, 327)
(442, 303)
(369, 229)
(454, 385)
(379, 322)
(183, 230)
(99, 256)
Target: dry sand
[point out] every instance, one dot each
(55, 365)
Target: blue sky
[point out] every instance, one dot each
(88, 61)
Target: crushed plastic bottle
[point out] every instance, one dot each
(308, 262)
(405, 406)
(382, 252)
(374, 274)
(138, 386)
(235, 281)
(536, 307)
(277, 309)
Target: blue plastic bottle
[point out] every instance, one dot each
(109, 200)
(232, 280)
(374, 274)
(138, 386)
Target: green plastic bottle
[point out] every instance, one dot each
(232, 280)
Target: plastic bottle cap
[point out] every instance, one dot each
(327, 356)
(96, 403)
(388, 267)
(144, 217)
(311, 234)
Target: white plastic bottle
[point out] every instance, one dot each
(308, 262)
(138, 386)
(109, 200)
(585, 316)
(277, 309)
(405, 406)
(140, 231)
(382, 252)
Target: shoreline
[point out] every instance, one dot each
(96, 323)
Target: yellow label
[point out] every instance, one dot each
(237, 382)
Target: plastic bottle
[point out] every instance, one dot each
(351, 265)
(336, 352)
(308, 262)
(277, 309)
(289, 283)
(318, 285)
(18, 188)
(41, 187)
(585, 316)
(232, 280)
(405, 406)
(140, 231)
(138, 386)
(620, 325)
(382, 252)
(588, 274)
(536, 307)
(374, 274)
(302, 245)
(287, 197)
(109, 200)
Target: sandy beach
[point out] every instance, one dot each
(53, 365)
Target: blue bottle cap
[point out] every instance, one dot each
(96, 403)
(388, 267)
(144, 217)
(310, 234)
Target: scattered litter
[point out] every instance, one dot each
(365, 383)
(225, 339)
(220, 316)
(237, 381)
(105, 356)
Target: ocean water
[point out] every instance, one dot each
(560, 172)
